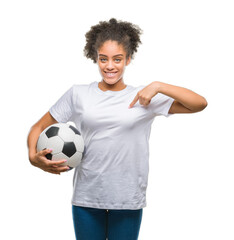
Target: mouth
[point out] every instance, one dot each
(110, 74)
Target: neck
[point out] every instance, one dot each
(112, 87)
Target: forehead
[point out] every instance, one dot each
(111, 48)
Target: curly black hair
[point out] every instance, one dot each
(124, 33)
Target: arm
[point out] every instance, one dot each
(38, 159)
(185, 100)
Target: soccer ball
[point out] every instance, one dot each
(65, 141)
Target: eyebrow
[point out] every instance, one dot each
(118, 55)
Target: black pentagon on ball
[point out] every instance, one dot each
(69, 149)
(49, 156)
(74, 130)
(51, 132)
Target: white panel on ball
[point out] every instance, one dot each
(66, 134)
(42, 142)
(60, 156)
(56, 144)
(79, 143)
(75, 159)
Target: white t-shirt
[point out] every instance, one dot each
(113, 173)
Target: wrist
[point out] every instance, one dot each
(157, 86)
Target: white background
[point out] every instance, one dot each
(185, 43)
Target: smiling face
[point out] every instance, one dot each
(111, 62)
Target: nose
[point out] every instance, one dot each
(110, 66)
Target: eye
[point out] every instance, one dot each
(118, 60)
(103, 59)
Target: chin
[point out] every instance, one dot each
(110, 81)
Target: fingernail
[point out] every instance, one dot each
(51, 150)
(65, 160)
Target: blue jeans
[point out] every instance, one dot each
(102, 224)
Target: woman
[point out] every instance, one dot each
(115, 120)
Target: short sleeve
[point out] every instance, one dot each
(160, 105)
(62, 110)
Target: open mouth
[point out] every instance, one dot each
(110, 74)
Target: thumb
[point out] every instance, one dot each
(134, 101)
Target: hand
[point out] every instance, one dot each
(146, 94)
(39, 160)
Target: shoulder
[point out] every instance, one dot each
(82, 88)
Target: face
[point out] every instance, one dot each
(112, 62)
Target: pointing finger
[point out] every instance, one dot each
(134, 101)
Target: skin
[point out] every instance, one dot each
(185, 100)
(112, 62)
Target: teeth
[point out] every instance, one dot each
(110, 74)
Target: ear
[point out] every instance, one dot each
(128, 61)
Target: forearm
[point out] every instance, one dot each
(32, 140)
(36, 130)
(186, 97)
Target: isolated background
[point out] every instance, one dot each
(185, 43)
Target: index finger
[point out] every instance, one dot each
(56, 162)
(134, 101)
